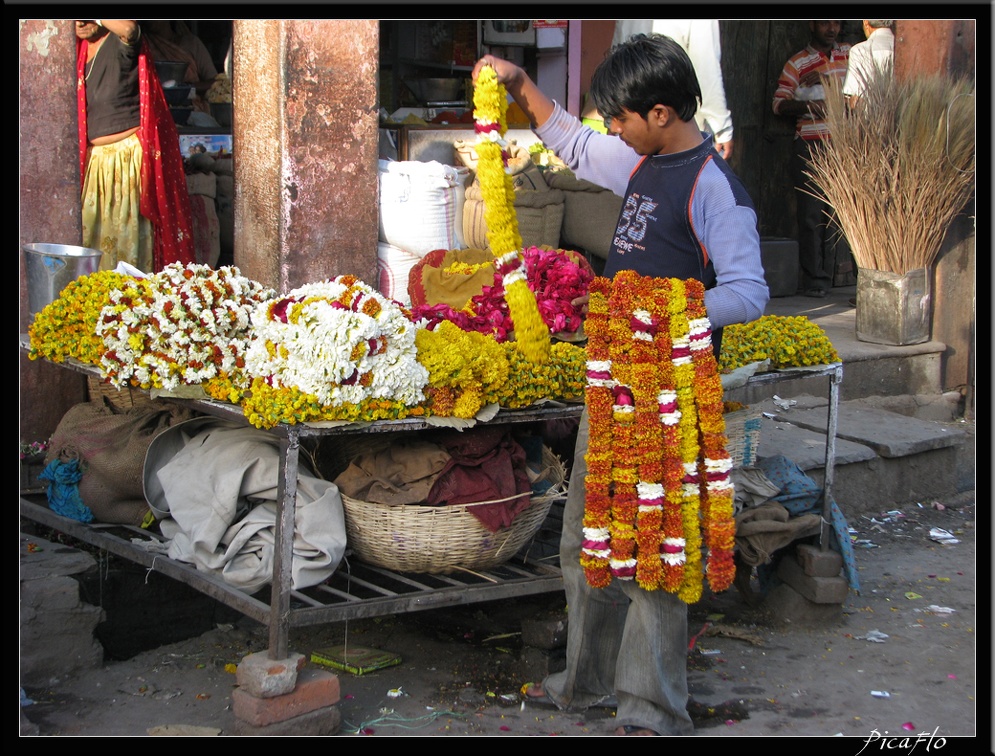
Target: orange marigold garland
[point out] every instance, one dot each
(658, 486)
(595, 550)
(715, 466)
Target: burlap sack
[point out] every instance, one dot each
(590, 213)
(110, 446)
(525, 174)
(540, 216)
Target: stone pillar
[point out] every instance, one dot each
(305, 143)
(935, 46)
(948, 47)
(49, 193)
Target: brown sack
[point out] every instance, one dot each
(539, 213)
(110, 446)
(590, 213)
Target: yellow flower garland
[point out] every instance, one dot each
(657, 488)
(67, 327)
(466, 369)
(490, 102)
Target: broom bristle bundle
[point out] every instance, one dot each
(899, 166)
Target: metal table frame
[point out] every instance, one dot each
(834, 372)
(363, 590)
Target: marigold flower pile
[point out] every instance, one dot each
(787, 341)
(187, 324)
(335, 350)
(67, 327)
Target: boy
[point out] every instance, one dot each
(685, 215)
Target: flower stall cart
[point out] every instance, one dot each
(182, 336)
(336, 360)
(356, 590)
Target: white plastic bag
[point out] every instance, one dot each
(421, 205)
(393, 269)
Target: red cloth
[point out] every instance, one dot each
(486, 464)
(165, 200)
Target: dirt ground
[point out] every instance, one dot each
(899, 660)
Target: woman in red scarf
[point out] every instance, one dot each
(136, 208)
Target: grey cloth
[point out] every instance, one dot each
(762, 530)
(213, 484)
(752, 488)
(621, 640)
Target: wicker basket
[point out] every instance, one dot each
(439, 539)
(743, 431)
(120, 399)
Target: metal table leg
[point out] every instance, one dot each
(279, 622)
(835, 379)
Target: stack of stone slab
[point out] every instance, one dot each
(285, 697)
(56, 625)
(812, 588)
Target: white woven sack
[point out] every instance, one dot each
(393, 268)
(421, 205)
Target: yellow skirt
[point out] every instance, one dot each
(112, 218)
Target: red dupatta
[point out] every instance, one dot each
(165, 200)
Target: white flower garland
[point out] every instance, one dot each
(190, 326)
(341, 341)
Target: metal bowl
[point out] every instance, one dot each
(51, 267)
(177, 95)
(181, 115)
(171, 72)
(437, 90)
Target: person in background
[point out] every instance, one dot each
(135, 205)
(800, 96)
(173, 40)
(875, 55)
(700, 40)
(627, 646)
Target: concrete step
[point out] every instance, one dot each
(885, 371)
(57, 626)
(884, 458)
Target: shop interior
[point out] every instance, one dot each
(425, 94)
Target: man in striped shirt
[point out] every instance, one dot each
(800, 95)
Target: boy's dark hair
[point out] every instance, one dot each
(645, 71)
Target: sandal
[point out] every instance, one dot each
(635, 730)
(533, 693)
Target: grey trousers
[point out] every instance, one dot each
(622, 641)
(820, 239)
